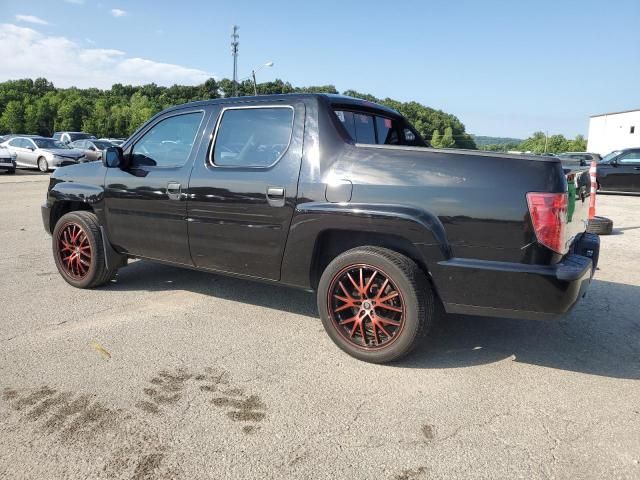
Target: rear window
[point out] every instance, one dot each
(364, 127)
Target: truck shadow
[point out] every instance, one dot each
(601, 336)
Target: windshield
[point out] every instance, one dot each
(607, 158)
(48, 143)
(79, 136)
(100, 144)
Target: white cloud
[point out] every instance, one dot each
(116, 12)
(31, 19)
(26, 53)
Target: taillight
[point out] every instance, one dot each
(549, 218)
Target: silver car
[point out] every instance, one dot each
(7, 160)
(44, 153)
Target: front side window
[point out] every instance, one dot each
(168, 143)
(252, 137)
(630, 157)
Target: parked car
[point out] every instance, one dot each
(44, 153)
(7, 160)
(619, 171)
(332, 194)
(92, 148)
(68, 137)
(116, 141)
(582, 158)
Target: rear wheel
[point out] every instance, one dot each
(43, 166)
(78, 250)
(375, 304)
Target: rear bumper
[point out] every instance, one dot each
(515, 290)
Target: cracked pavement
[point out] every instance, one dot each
(170, 373)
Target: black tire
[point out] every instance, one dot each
(43, 166)
(11, 171)
(96, 272)
(414, 296)
(600, 226)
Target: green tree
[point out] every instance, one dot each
(435, 139)
(447, 140)
(12, 118)
(578, 144)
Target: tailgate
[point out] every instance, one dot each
(578, 188)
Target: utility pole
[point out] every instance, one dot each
(255, 85)
(234, 52)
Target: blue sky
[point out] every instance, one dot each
(504, 68)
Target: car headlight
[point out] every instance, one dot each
(58, 157)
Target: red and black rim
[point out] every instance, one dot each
(74, 251)
(366, 307)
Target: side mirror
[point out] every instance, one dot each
(113, 157)
(92, 148)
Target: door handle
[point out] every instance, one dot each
(636, 168)
(275, 196)
(174, 191)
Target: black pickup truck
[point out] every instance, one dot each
(337, 195)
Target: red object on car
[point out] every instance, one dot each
(549, 218)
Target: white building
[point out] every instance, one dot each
(612, 131)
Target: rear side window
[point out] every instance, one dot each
(373, 129)
(168, 143)
(252, 137)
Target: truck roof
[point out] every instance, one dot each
(333, 98)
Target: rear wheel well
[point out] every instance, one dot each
(332, 243)
(63, 207)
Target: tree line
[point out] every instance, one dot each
(38, 107)
(540, 142)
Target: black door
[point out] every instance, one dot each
(242, 197)
(146, 205)
(623, 174)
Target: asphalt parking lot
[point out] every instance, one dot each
(169, 373)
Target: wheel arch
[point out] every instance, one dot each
(64, 197)
(62, 207)
(320, 232)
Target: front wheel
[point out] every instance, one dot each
(43, 166)
(78, 250)
(375, 304)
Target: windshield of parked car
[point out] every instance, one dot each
(79, 136)
(48, 143)
(102, 144)
(607, 158)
